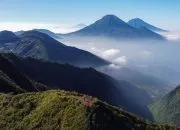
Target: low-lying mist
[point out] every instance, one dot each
(151, 57)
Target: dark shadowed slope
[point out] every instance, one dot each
(8, 85)
(13, 80)
(41, 46)
(111, 26)
(68, 111)
(87, 81)
(167, 110)
(139, 23)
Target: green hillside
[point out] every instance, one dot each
(66, 111)
(167, 110)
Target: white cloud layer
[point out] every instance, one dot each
(13, 26)
(121, 60)
(113, 66)
(110, 53)
(172, 36)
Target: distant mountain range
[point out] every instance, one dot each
(111, 26)
(48, 32)
(139, 23)
(167, 109)
(21, 71)
(41, 46)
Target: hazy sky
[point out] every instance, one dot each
(19, 14)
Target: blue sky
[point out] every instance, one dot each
(163, 13)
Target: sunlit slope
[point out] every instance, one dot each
(66, 111)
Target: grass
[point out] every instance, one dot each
(62, 110)
(46, 110)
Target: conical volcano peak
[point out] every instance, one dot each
(112, 19)
(113, 27)
(137, 19)
(139, 23)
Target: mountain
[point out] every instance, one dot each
(18, 33)
(13, 80)
(139, 23)
(7, 36)
(85, 80)
(8, 85)
(156, 87)
(50, 33)
(66, 110)
(41, 46)
(113, 27)
(167, 110)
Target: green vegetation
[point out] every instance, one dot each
(46, 110)
(67, 111)
(167, 110)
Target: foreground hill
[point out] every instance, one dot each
(167, 110)
(111, 26)
(65, 110)
(139, 23)
(41, 46)
(87, 81)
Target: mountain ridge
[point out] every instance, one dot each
(139, 23)
(113, 27)
(41, 46)
(15, 81)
